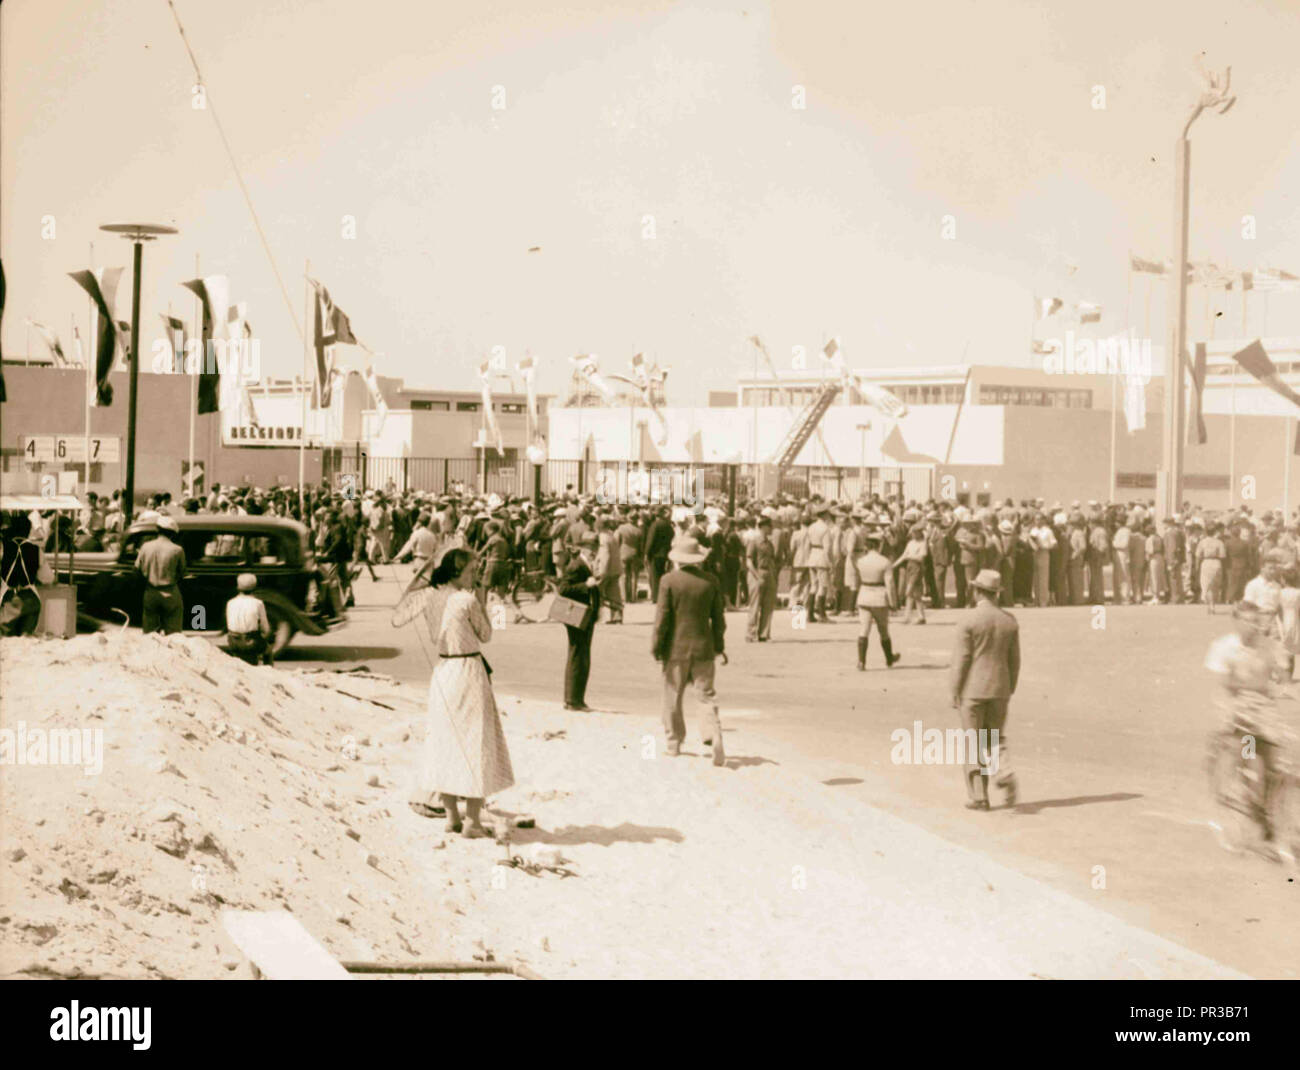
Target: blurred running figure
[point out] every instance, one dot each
(985, 669)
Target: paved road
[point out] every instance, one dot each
(1107, 733)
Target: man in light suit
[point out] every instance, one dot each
(985, 669)
(820, 534)
(690, 620)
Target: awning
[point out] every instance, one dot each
(25, 503)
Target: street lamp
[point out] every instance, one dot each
(1216, 95)
(137, 234)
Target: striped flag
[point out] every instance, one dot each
(1256, 361)
(51, 341)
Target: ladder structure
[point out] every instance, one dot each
(803, 428)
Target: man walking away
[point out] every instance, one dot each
(162, 563)
(763, 571)
(659, 541)
(248, 631)
(985, 669)
(690, 621)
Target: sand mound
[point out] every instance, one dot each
(222, 785)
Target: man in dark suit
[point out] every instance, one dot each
(658, 541)
(982, 679)
(689, 624)
(579, 583)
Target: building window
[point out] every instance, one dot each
(512, 407)
(429, 406)
(496, 463)
(467, 406)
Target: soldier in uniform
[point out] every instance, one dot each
(819, 566)
(875, 594)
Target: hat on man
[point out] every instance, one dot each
(688, 552)
(988, 579)
(166, 523)
(246, 581)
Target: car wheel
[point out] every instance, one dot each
(284, 633)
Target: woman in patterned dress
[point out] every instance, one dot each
(465, 754)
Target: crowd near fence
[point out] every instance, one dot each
(619, 480)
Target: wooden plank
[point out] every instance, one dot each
(278, 945)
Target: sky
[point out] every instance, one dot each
(794, 224)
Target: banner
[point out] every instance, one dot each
(101, 285)
(1197, 428)
(214, 295)
(1256, 361)
(491, 430)
(174, 331)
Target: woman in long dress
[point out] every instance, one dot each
(465, 754)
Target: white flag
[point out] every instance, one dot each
(1135, 403)
(491, 429)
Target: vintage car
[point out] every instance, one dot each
(217, 549)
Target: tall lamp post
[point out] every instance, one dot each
(137, 234)
(1170, 492)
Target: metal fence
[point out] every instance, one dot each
(619, 480)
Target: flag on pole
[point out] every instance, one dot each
(213, 292)
(101, 285)
(331, 328)
(491, 429)
(589, 369)
(372, 384)
(1256, 361)
(1088, 312)
(875, 396)
(174, 330)
(1197, 428)
(527, 368)
(51, 340)
(1147, 267)
(1047, 306)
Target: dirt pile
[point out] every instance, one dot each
(221, 785)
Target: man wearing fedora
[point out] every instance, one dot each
(690, 620)
(982, 679)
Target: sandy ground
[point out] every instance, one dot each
(229, 786)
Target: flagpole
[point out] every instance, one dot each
(90, 304)
(194, 379)
(302, 388)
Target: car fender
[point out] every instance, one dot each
(279, 606)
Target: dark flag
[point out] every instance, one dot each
(212, 292)
(102, 295)
(1198, 384)
(1256, 361)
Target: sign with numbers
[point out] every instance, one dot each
(104, 449)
